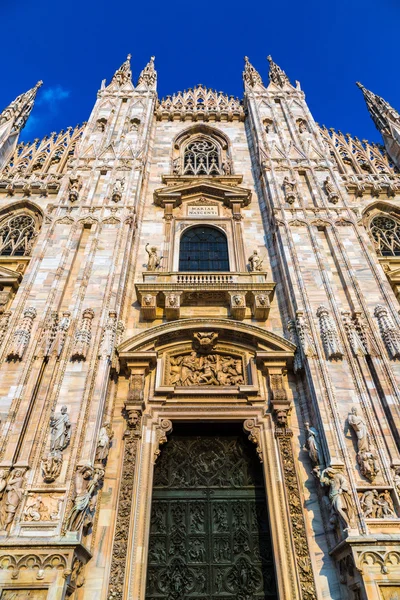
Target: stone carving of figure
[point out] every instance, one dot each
(302, 125)
(14, 492)
(361, 430)
(255, 261)
(117, 190)
(366, 457)
(60, 430)
(377, 506)
(313, 445)
(289, 190)
(86, 482)
(367, 502)
(104, 442)
(385, 508)
(154, 260)
(330, 190)
(101, 125)
(34, 510)
(74, 187)
(342, 507)
(191, 369)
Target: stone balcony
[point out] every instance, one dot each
(163, 294)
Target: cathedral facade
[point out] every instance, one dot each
(200, 349)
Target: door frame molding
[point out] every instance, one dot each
(155, 424)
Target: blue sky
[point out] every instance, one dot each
(327, 46)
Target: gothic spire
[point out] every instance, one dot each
(276, 74)
(380, 110)
(250, 75)
(148, 76)
(20, 109)
(124, 73)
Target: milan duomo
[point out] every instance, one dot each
(200, 349)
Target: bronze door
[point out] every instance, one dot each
(209, 534)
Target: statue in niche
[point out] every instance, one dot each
(366, 457)
(104, 442)
(101, 125)
(197, 370)
(154, 260)
(313, 444)
(342, 508)
(302, 125)
(60, 431)
(255, 261)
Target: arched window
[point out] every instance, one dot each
(201, 157)
(386, 233)
(203, 249)
(17, 235)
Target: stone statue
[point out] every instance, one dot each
(3, 481)
(86, 482)
(14, 492)
(74, 187)
(366, 458)
(342, 507)
(117, 190)
(302, 125)
(60, 431)
(255, 261)
(101, 125)
(154, 260)
(289, 190)
(104, 442)
(361, 430)
(313, 445)
(330, 190)
(51, 466)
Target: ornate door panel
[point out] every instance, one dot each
(209, 533)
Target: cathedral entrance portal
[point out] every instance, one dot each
(209, 535)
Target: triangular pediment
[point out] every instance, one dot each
(215, 189)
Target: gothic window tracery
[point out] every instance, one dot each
(203, 248)
(202, 157)
(17, 234)
(385, 231)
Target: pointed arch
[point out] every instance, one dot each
(201, 150)
(20, 223)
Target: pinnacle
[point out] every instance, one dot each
(124, 73)
(276, 74)
(250, 75)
